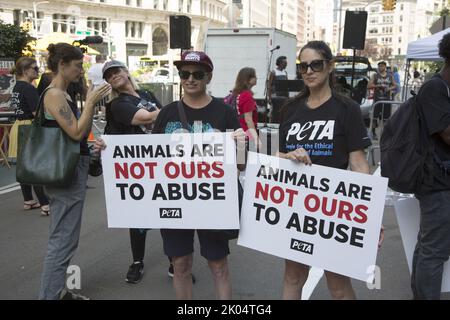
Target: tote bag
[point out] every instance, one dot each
(46, 156)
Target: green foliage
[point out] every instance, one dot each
(13, 40)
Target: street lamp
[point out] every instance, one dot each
(35, 4)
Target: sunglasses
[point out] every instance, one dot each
(315, 65)
(35, 69)
(198, 75)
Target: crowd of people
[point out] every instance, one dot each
(129, 110)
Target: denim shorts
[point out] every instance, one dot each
(180, 242)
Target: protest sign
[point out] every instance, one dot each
(316, 215)
(173, 181)
(408, 217)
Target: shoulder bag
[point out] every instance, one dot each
(46, 155)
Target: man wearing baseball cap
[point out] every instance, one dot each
(203, 113)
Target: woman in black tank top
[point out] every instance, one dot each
(66, 203)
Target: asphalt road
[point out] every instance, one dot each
(104, 255)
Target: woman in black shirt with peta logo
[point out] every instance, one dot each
(321, 127)
(130, 111)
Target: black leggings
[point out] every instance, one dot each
(137, 240)
(28, 195)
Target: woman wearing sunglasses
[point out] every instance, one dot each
(24, 100)
(332, 125)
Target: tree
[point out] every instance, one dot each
(13, 40)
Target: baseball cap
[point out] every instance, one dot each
(112, 64)
(195, 57)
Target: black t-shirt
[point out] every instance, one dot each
(122, 109)
(216, 116)
(329, 133)
(24, 100)
(382, 93)
(434, 101)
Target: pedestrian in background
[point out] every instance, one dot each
(24, 101)
(66, 203)
(433, 240)
(384, 84)
(95, 79)
(245, 104)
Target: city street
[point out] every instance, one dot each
(104, 255)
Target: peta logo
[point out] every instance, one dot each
(171, 213)
(302, 246)
(312, 129)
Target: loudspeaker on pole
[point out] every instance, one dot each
(355, 30)
(180, 32)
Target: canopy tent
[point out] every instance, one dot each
(426, 49)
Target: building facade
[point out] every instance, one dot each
(389, 32)
(130, 28)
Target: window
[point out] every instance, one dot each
(189, 5)
(401, 18)
(180, 5)
(399, 51)
(134, 29)
(399, 39)
(165, 4)
(160, 42)
(155, 4)
(138, 3)
(401, 7)
(128, 2)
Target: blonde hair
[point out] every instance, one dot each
(22, 64)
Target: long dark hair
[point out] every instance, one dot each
(242, 80)
(325, 51)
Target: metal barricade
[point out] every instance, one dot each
(373, 147)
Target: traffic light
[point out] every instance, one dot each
(389, 5)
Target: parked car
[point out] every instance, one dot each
(361, 77)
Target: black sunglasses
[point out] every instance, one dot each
(198, 75)
(35, 69)
(315, 65)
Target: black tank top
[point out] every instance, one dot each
(84, 149)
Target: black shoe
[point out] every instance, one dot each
(135, 272)
(69, 295)
(170, 273)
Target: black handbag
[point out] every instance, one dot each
(216, 234)
(45, 155)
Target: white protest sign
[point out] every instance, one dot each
(408, 216)
(316, 215)
(173, 181)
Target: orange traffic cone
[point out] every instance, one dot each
(91, 137)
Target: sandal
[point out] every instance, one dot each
(29, 205)
(45, 211)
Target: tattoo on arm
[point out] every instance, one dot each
(66, 113)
